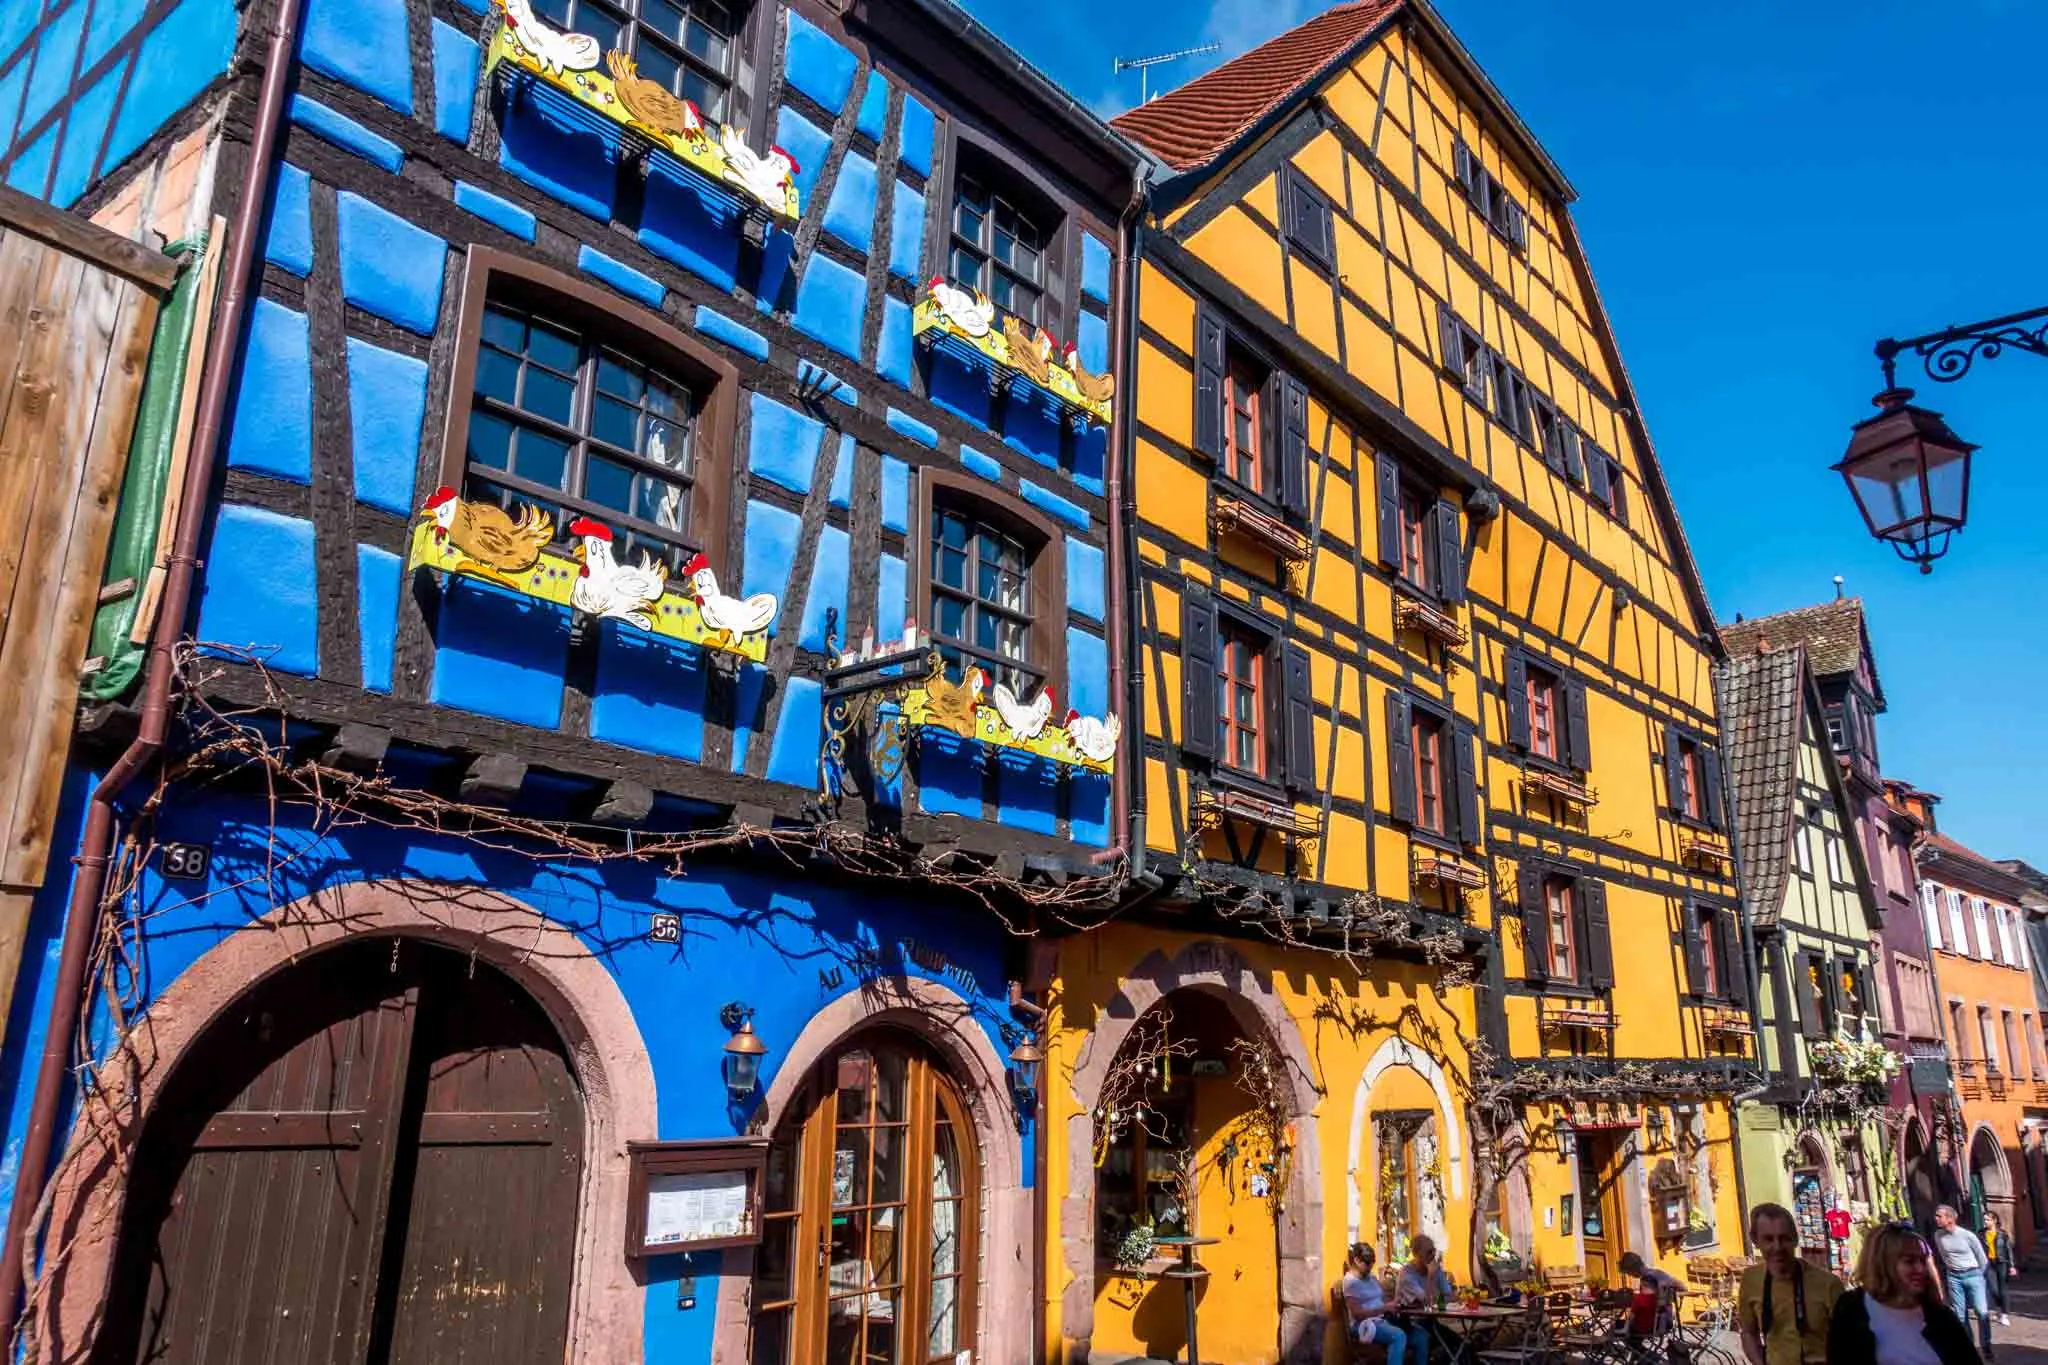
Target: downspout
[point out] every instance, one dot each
(182, 566)
(1126, 795)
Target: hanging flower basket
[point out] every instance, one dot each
(1838, 1059)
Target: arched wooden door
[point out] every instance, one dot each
(373, 1158)
(871, 1242)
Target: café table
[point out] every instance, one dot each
(1189, 1274)
(1461, 1323)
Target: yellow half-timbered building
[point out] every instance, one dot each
(1429, 789)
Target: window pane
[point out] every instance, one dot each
(548, 395)
(849, 1166)
(663, 502)
(966, 268)
(1005, 249)
(665, 17)
(490, 441)
(708, 44)
(888, 1163)
(707, 94)
(667, 445)
(1026, 261)
(504, 330)
(985, 629)
(949, 567)
(557, 10)
(952, 616)
(1004, 294)
(608, 484)
(1012, 636)
(616, 423)
(542, 459)
(553, 347)
(599, 24)
(657, 64)
(497, 375)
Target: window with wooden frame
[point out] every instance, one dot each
(1432, 771)
(1251, 417)
(1604, 481)
(1958, 927)
(1514, 402)
(1692, 778)
(992, 584)
(1547, 713)
(1713, 954)
(2012, 1041)
(1419, 534)
(1465, 354)
(1815, 992)
(1003, 235)
(568, 400)
(1246, 707)
(1307, 218)
(1565, 934)
(696, 49)
(1489, 198)
(1837, 872)
(1849, 986)
(1989, 1038)
(1802, 847)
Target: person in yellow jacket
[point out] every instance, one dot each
(1999, 1254)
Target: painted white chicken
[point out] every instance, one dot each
(971, 313)
(554, 50)
(1095, 740)
(765, 177)
(734, 616)
(606, 588)
(1023, 721)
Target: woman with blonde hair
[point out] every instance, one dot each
(1894, 1316)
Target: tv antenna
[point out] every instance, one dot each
(1144, 65)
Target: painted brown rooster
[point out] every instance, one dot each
(652, 106)
(1030, 351)
(1096, 388)
(954, 705)
(484, 532)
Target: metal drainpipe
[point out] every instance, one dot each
(1121, 654)
(96, 843)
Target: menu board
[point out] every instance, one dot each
(697, 1206)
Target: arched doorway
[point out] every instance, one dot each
(871, 1240)
(373, 1155)
(1810, 1199)
(1990, 1179)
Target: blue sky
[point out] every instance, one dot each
(1765, 189)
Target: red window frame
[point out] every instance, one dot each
(1689, 768)
(1240, 685)
(1710, 955)
(1560, 927)
(1542, 715)
(1415, 556)
(1244, 460)
(1426, 734)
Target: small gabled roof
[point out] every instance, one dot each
(1962, 863)
(1761, 697)
(1833, 632)
(1209, 118)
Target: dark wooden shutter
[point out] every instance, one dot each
(1599, 946)
(1578, 736)
(1400, 759)
(1596, 473)
(1574, 458)
(1710, 778)
(1209, 365)
(1390, 511)
(1198, 672)
(1518, 226)
(1535, 935)
(1867, 987)
(1618, 493)
(1674, 772)
(1299, 718)
(1728, 949)
(1462, 157)
(1452, 338)
(1470, 827)
(1517, 683)
(1293, 448)
(1802, 988)
(1838, 1002)
(1450, 553)
(1694, 924)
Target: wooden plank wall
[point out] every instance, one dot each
(77, 309)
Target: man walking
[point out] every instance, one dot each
(1963, 1267)
(1783, 1307)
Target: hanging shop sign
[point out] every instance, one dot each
(694, 1196)
(562, 70)
(515, 551)
(964, 324)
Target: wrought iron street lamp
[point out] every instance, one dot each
(1909, 473)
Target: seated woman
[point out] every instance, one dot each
(1366, 1301)
(1656, 1288)
(1422, 1283)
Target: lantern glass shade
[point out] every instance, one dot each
(743, 1053)
(1910, 476)
(1024, 1062)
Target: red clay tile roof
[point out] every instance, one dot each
(1190, 126)
(1981, 872)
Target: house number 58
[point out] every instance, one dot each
(187, 862)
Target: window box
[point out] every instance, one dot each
(763, 188)
(1708, 853)
(959, 709)
(1228, 515)
(1725, 1022)
(1213, 808)
(965, 327)
(1441, 869)
(1557, 1014)
(1559, 785)
(1413, 613)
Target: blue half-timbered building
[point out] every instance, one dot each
(607, 660)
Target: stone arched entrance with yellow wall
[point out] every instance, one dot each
(1213, 972)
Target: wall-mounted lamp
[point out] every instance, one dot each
(743, 1051)
(1567, 1142)
(1655, 1118)
(1025, 1059)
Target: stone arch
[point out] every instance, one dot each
(1392, 1052)
(1987, 1155)
(544, 958)
(1217, 971)
(949, 1025)
(1809, 1149)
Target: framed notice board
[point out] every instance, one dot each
(694, 1196)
